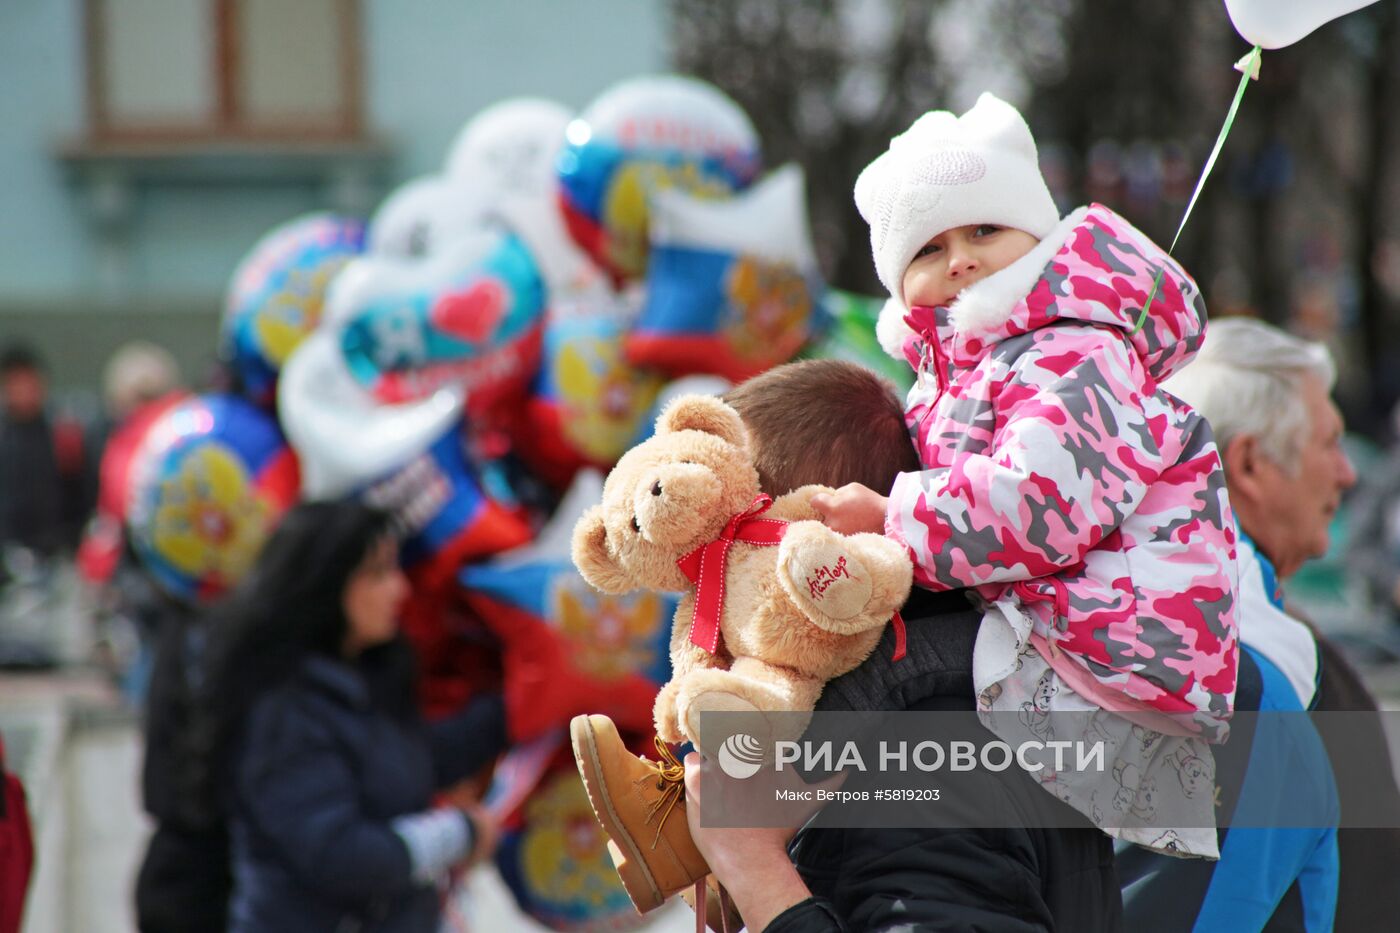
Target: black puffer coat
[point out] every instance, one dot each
(988, 880)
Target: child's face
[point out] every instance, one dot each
(956, 258)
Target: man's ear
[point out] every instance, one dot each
(1245, 462)
(591, 557)
(703, 413)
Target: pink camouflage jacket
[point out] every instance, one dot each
(1059, 474)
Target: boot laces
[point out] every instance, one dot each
(670, 780)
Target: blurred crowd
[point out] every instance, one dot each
(56, 528)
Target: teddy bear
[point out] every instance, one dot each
(775, 603)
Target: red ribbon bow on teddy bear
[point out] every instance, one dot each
(705, 566)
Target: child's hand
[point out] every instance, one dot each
(852, 509)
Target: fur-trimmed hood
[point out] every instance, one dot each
(1094, 267)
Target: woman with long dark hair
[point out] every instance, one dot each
(326, 769)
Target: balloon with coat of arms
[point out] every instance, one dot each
(588, 402)
(642, 136)
(277, 293)
(210, 480)
(554, 859)
(568, 649)
(733, 286)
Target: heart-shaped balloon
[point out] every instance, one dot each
(408, 459)
(1276, 23)
(345, 437)
(468, 315)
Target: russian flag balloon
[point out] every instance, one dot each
(568, 649)
(447, 517)
(733, 286)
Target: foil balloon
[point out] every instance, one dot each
(643, 136)
(510, 148)
(507, 154)
(409, 459)
(733, 286)
(343, 435)
(446, 516)
(1276, 23)
(588, 401)
(469, 315)
(568, 649)
(209, 481)
(555, 860)
(101, 548)
(276, 296)
(422, 215)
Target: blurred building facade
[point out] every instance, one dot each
(147, 144)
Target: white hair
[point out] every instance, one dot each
(139, 371)
(1247, 380)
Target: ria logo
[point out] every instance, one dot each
(740, 756)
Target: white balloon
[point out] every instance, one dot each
(670, 113)
(1276, 23)
(508, 152)
(343, 437)
(768, 220)
(422, 215)
(511, 147)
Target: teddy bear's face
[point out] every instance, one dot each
(666, 497)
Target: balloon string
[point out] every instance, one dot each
(1249, 65)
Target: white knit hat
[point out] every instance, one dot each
(945, 172)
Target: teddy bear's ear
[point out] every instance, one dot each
(591, 557)
(703, 413)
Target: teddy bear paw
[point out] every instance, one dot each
(715, 701)
(824, 575)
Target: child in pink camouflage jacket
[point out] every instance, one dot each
(1084, 507)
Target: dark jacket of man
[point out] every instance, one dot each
(185, 877)
(1368, 897)
(1013, 880)
(31, 490)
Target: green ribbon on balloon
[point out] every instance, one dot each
(1249, 66)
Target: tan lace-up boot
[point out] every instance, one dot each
(641, 806)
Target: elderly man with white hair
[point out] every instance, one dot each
(1266, 394)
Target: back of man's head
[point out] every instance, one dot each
(19, 357)
(1246, 380)
(828, 422)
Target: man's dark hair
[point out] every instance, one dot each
(18, 357)
(824, 421)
